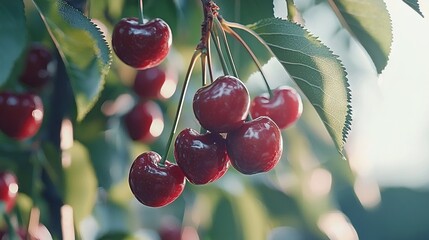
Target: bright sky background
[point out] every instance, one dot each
(389, 141)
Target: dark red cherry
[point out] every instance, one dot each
(155, 185)
(202, 158)
(223, 105)
(141, 45)
(8, 189)
(21, 115)
(38, 67)
(144, 122)
(284, 108)
(154, 83)
(255, 147)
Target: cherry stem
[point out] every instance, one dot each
(203, 68)
(219, 52)
(209, 61)
(252, 55)
(228, 50)
(194, 58)
(291, 10)
(141, 12)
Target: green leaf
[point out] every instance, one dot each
(316, 70)
(13, 36)
(369, 22)
(83, 48)
(80, 183)
(414, 4)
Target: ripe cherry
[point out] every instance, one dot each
(154, 83)
(284, 108)
(38, 67)
(155, 185)
(21, 114)
(144, 122)
(141, 45)
(202, 158)
(223, 105)
(255, 147)
(8, 189)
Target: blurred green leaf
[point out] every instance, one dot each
(247, 11)
(83, 48)
(316, 70)
(369, 22)
(80, 182)
(414, 4)
(13, 36)
(225, 222)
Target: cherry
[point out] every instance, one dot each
(155, 185)
(202, 158)
(37, 70)
(8, 189)
(223, 105)
(170, 229)
(255, 147)
(21, 114)
(154, 83)
(284, 108)
(144, 122)
(141, 45)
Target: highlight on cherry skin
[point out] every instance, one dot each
(202, 157)
(223, 105)
(153, 184)
(144, 122)
(154, 83)
(141, 45)
(25, 114)
(284, 108)
(8, 189)
(256, 146)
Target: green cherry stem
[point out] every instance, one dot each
(252, 55)
(203, 58)
(228, 50)
(215, 37)
(194, 58)
(141, 12)
(209, 60)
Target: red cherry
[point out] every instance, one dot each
(144, 122)
(255, 147)
(37, 72)
(202, 158)
(223, 105)
(155, 185)
(170, 229)
(20, 114)
(284, 108)
(141, 45)
(8, 189)
(154, 83)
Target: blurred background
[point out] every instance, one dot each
(380, 192)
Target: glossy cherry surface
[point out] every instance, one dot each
(284, 108)
(255, 147)
(223, 105)
(8, 189)
(154, 185)
(141, 45)
(144, 122)
(37, 70)
(21, 115)
(154, 83)
(202, 158)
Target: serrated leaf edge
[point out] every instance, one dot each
(348, 118)
(415, 7)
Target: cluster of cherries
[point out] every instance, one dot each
(234, 129)
(145, 121)
(22, 113)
